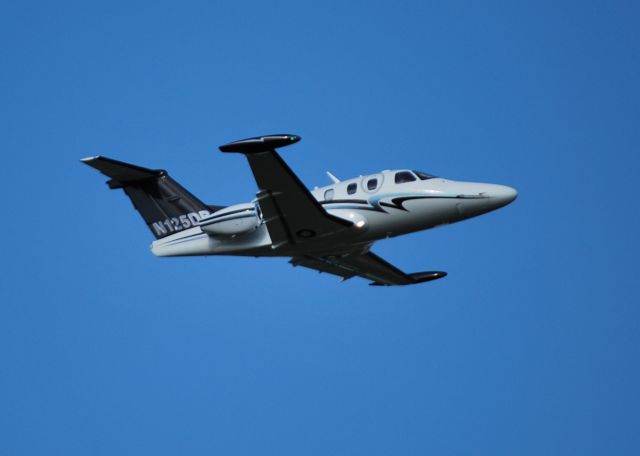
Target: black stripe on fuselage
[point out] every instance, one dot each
(366, 205)
(354, 201)
(396, 203)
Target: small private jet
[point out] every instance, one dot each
(329, 229)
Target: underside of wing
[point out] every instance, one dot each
(291, 213)
(368, 266)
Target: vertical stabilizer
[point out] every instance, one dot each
(165, 205)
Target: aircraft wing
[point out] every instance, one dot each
(290, 211)
(368, 266)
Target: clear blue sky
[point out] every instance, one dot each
(530, 346)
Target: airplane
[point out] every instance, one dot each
(329, 229)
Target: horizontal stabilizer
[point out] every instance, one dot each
(121, 171)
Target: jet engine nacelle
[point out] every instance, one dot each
(238, 219)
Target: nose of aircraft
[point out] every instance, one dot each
(501, 195)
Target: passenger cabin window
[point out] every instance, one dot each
(404, 176)
(372, 184)
(424, 176)
(351, 188)
(328, 195)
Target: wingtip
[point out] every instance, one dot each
(88, 159)
(427, 276)
(260, 143)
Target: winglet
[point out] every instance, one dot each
(260, 143)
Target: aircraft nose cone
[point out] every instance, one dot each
(503, 195)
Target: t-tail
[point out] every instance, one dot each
(165, 205)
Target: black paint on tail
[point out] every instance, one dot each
(165, 205)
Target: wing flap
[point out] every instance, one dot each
(321, 265)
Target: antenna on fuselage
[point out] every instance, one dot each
(333, 178)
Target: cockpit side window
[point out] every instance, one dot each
(424, 176)
(352, 188)
(404, 176)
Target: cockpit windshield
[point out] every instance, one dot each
(424, 176)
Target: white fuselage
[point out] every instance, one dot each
(378, 205)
